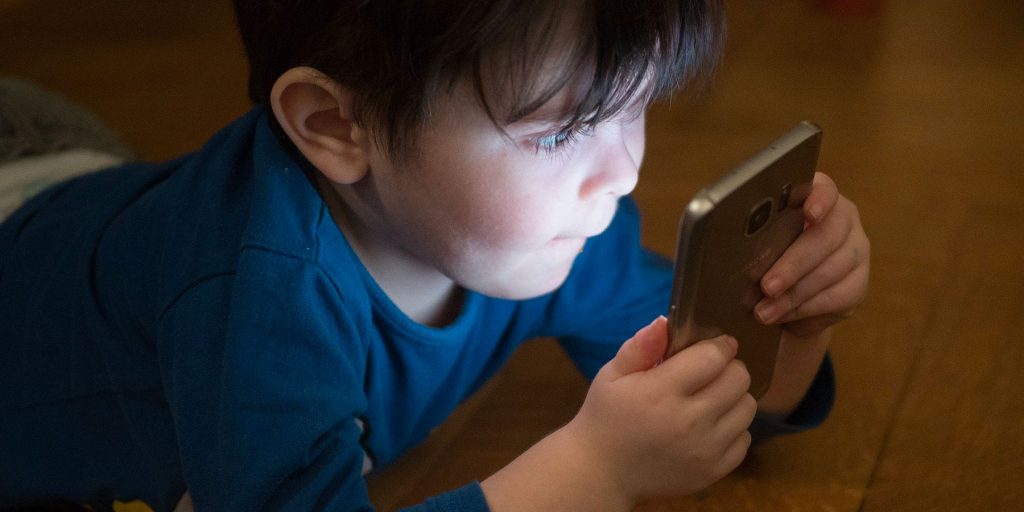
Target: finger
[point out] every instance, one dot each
(738, 417)
(720, 395)
(832, 270)
(642, 351)
(813, 246)
(839, 299)
(734, 454)
(697, 365)
(823, 197)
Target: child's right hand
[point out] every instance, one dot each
(666, 429)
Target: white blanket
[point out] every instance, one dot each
(21, 179)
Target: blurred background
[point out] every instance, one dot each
(922, 106)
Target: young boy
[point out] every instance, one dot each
(422, 186)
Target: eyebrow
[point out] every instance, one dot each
(537, 120)
(547, 114)
(558, 109)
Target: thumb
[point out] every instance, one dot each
(641, 352)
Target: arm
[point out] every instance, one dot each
(253, 431)
(798, 363)
(264, 397)
(817, 283)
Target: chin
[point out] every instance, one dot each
(523, 288)
(520, 278)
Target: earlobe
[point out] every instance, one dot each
(316, 114)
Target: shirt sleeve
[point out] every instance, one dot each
(263, 373)
(469, 498)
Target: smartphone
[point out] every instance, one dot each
(730, 234)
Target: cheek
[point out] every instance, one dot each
(488, 202)
(512, 210)
(496, 237)
(516, 223)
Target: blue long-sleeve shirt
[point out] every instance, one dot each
(203, 324)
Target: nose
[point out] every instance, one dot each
(615, 167)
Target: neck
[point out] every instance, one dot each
(419, 290)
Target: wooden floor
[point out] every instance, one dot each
(922, 104)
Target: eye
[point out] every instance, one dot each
(555, 141)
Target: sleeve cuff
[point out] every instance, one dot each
(811, 412)
(469, 498)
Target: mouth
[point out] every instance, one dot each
(574, 242)
(596, 228)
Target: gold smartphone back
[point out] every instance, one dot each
(731, 233)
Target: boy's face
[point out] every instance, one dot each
(504, 216)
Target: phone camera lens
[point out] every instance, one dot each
(759, 216)
(784, 197)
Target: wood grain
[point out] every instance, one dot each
(923, 116)
(954, 444)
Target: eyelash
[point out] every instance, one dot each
(554, 142)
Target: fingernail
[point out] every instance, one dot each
(773, 286)
(765, 311)
(732, 342)
(815, 212)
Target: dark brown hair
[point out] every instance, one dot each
(398, 55)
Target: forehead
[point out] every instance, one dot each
(570, 61)
(554, 77)
(540, 75)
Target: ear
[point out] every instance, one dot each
(316, 114)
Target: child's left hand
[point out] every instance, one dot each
(823, 276)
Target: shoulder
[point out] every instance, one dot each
(272, 310)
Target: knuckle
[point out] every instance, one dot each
(854, 209)
(862, 296)
(684, 427)
(718, 351)
(742, 374)
(843, 232)
(743, 442)
(704, 350)
(797, 312)
(830, 301)
(747, 440)
(802, 260)
(787, 267)
(792, 300)
(750, 405)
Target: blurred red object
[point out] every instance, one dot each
(851, 7)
